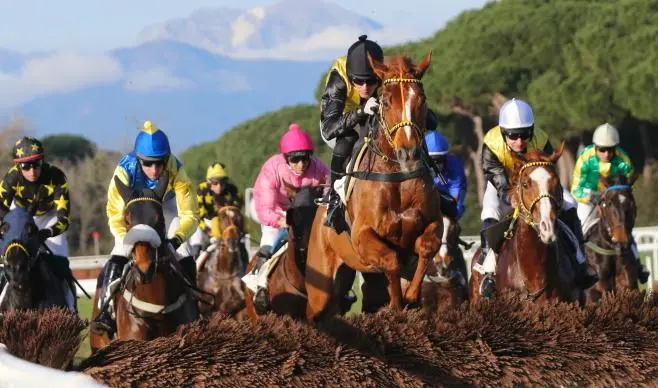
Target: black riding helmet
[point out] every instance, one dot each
(357, 58)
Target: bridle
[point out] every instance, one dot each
(526, 212)
(389, 132)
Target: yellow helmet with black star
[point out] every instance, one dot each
(216, 171)
(27, 149)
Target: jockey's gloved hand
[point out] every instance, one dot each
(175, 242)
(371, 106)
(45, 234)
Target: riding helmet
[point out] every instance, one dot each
(516, 116)
(357, 58)
(27, 149)
(151, 143)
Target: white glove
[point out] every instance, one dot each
(370, 108)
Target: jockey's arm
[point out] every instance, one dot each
(578, 181)
(627, 165)
(115, 204)
(7, 190)
(61, 203)
(188, 210)
(265, 194)
(494, 171)
(332, 120)
(458, 184)
(205, 210)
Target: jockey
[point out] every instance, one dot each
(294, 166)
(217, 186)
(452, 170)
(31, 179)
(516, 133)
(347, 101)
(604, 157)
(141, 169)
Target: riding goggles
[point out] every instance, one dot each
(27, 166)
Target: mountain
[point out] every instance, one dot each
(299, 29)
(191, 93)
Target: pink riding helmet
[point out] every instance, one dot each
(295, 140)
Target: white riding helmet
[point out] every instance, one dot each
(515, 114)
(606, 135)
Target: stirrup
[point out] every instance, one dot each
(487, 286)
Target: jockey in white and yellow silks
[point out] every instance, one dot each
(516, 133)
(141, 169)
(602, 158)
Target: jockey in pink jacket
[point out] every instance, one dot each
(296, 166)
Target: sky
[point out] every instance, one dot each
(98, 26)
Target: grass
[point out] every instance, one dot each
(84, 310)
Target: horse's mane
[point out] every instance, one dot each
(614, 180)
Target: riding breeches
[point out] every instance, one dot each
(199, 237)
(493, 207)
(172, 222)
(584, 210)
(344, 144)
(269, 235)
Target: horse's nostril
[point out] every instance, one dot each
(415, 153)
(401, 154)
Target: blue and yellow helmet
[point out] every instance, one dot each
(151, 143)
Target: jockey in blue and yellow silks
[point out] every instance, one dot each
(141, 169)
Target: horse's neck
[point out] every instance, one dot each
(532, 254)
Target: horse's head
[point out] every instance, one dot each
(301, 212)
(20, 244)
(536, 192)
(402, 106)
(145, 224)
(229, 215)
(616, 207)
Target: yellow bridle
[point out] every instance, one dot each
(388, 132)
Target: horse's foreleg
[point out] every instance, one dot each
(370, 247)
(426, 246)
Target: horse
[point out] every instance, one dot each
(32, 281)
(446, 283)
(607, 246)
(221, 267)
(154, 297)
(286, 284)
(529, 258)
(394, 209)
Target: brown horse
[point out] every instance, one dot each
(608, 241)
(529, 260)
(153, 296)
(394, 209)
(222, 264)
(446, 282)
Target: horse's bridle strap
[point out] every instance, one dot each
(141, 199)
(151, 307)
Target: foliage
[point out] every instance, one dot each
(72, 148)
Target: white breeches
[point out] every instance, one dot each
(584, 210)
(269, 235)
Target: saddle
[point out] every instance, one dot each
(495, 234)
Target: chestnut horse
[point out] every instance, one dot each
(153, 295)
(394, 209)
(608, 241)
(222, 264)
(530, 258)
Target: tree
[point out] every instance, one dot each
(73, 148)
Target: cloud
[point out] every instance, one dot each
(332, 41)
(157, 78)
(56, 73)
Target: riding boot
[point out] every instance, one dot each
(188, 265)
(487, 285)
(333, 199)
(642, 272)
(104, 322)
(586, 277)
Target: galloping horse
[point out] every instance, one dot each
(31, 282)
(446, 283)
(608, 240)
(394, 208)
(153, 295)
(219, 271)
(530, 258)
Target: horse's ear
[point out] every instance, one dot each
(423, 66)
(161, 187)
(379, 68)
(124, 191)
(557, 153)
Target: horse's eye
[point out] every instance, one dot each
(603, 204)
(525, 185)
